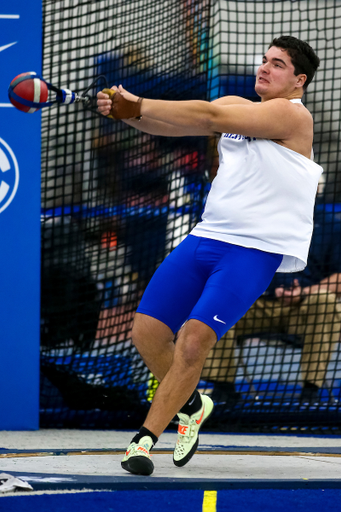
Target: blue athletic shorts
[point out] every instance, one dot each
(212, 281)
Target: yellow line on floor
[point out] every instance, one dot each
(209, 503)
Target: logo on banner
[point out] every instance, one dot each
(9, 175)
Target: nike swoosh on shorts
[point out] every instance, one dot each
(217, 319)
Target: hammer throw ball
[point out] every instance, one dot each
(26, 92)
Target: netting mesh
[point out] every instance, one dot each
(115, 202)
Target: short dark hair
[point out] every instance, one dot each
(303, 57)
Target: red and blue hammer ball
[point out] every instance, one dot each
(27, 91)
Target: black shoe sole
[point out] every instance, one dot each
(188, 457)
(182, 462)
(138, 466)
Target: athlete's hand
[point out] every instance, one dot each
(117, 103)
(126, 94)
(104, 102)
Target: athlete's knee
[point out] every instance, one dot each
(190, 357)
(194, 345)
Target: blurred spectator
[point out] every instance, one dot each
(134, 181)
(70, 300)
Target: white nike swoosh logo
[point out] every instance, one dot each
(191, 401)
(7, 46)
(217, 319)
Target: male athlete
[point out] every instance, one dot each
(258, 220)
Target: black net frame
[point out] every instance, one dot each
(115, 202)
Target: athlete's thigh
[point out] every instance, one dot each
(241, 276)
(175, 287)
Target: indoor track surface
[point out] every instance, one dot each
(73, 470)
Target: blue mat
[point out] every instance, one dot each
(247, 500)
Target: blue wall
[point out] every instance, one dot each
(20, 51)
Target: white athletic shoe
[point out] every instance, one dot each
(137, 459)
(188, 431)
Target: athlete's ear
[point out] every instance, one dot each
(301, 80)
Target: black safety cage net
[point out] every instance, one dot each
(116, 201)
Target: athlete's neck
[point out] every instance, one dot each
(290, 97)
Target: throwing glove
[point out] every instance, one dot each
(122, 108)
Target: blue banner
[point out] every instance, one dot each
(20, 140)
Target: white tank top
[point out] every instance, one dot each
(262, 197)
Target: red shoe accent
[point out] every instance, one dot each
(141, 449)
(182, 429)
(201, 417)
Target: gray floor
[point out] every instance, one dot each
(67, 459)
(109, 439)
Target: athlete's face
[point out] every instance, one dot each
(276, 76)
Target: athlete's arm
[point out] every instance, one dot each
(277, 119)
(157, 127)
(171, 128)
(273, 119)
(162, 126)
(145, 124)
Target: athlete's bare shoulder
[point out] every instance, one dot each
(301, 135)
(231, 100)
(291, 108)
